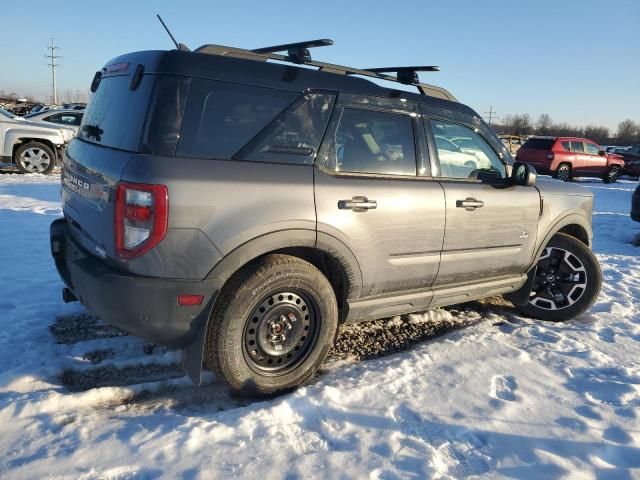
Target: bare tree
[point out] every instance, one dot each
(628, 131)
(544, 124)
(597, 134)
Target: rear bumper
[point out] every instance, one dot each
(143, 306)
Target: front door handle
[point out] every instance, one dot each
(357, 204)
(469, 203)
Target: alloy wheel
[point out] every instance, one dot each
(560, 280)
(35, 160)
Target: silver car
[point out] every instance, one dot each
(68, 118)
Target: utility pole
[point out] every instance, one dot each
(492, 114)
(52, 57)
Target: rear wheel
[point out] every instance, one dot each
(563, 172)
(34, 157)
(567, 281)
(613, 174)
(272, 326)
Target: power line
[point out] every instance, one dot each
(52, 58)
(491, 114)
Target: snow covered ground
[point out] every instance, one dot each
(498, 396)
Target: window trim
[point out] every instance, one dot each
(327, 146)
(435, 159)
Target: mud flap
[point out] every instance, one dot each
(193, 355)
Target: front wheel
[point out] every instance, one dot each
(272, 326)
(35, 157)
(567, 281)
(612, 175)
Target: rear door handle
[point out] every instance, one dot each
(469, 203)
(357, 204)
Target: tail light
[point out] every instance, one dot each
(550, 156)
(141, 217)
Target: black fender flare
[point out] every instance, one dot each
(521, 296)
(193, 354)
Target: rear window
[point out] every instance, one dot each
(220, 118)
(115, 115)
(539, 143)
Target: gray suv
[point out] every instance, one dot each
(240, 207)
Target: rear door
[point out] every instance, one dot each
(491, 225)
(370, 198)
(580, 163)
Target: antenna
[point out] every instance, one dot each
(179, 46)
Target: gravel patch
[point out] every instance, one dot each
(82, 327)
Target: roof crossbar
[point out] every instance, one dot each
(296, 52)
(405, 75)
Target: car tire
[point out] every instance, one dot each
(567, 281)
(612, 175)
(563, 172)
(272, 326)
(35, 157)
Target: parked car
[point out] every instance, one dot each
(74, 106)
(631, 157)
(569, 157)
(68, 118)
(34, 147)
(513, 142)
(40, 107)
(635, 205)
(240, 209)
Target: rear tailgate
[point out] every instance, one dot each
(109, 136)
(535, 151)
(89, 176)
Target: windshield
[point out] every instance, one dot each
(7, 114)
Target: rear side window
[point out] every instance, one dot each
(115, 115)
(539, 143)
(368, 141)
(566, 146)
(220, 118)
(295, 135)
(577, 147)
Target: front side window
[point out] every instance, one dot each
(463, 153)
(577, 147)
(592, 149)
(220, 118)
(368, 141)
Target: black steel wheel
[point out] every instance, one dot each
(281, 331)
(563, 172)
(567, 280)
(271, 326)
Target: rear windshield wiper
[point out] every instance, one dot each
(93, 131)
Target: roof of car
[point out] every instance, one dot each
(260, 72)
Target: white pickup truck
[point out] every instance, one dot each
(34, 147)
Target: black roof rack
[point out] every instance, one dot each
(299, 53)
(296, 52)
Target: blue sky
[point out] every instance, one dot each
(576, 60)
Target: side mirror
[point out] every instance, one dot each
(523, 174)
(602, 153)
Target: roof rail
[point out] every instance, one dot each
(298, 53)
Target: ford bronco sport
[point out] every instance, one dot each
(237, 206)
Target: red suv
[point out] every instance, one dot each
(568, 157)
